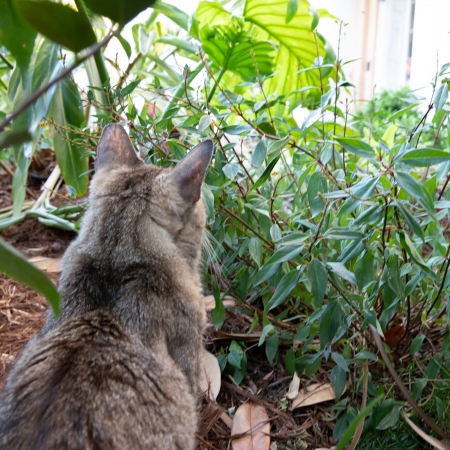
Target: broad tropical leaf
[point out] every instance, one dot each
(299, 46)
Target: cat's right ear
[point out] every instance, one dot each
(188, 175)
(115, 149)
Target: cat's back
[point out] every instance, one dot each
(88, 385)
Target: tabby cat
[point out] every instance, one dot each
(118, 369)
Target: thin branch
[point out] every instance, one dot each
(36, 94)
(402, 387)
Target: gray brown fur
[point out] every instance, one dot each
(137, 258)
(88, 385)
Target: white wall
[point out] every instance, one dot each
(431, 43)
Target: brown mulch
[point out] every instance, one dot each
(22, 314)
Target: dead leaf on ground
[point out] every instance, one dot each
(210, 303)
(293, 387)
(210, 378)
(254, 422)
(312, 394)
(52, 265)
(439, 445)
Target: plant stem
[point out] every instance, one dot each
(181, 89)
(401, 386)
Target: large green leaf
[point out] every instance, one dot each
(14, 265)
(65, 110)
(298, 49)
(263, 24)
(120, 11)
(59, 23)
(425, 157)
(233, 49)
(16, 35)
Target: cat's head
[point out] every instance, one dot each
(139, 208)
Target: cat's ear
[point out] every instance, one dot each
(115, 149)
(188, 175)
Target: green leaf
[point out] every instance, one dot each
(292, 8)
(410, 185)
(120, 11)
(357, 147)
(411, 250)
(265, 273)
(175, 14)
(315, 186)
(343, 233)
(272, 348)
(230, 170)
(400, 113)
(276, 146)
(231, 48)
(218, 313)
(284, 288)
(181, 44)
(14, 265)
(16, 35)
(128, 89)
(14, 138)
(441, 96)
(409, 219)
(255, 249)
(266, 174)
(365, 271)
(390, 419)
(283, 254)
(329, 323)
(416, 344)
(259, 154)
(318, 278)
(338, 380)
(425, 157)
(298, 47)
(351, 430)
(340, 361)
(237, 129)
(266, 330)
(125, 44)
(365, 354)
(65, 111)
(340, 270)
(59, 23)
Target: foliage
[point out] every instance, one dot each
(400, 107)
(318, 229)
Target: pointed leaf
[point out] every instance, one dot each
(425, 157)
(14, 265)
(59, 23)
(284, 288)
(318, 279)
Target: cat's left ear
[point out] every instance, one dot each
(188, 175)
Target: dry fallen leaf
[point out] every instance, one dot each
(312, 394)
(254, 421)
(210, 378)
(47, 264)
(439, 445)
(293, 387)
(210, 303)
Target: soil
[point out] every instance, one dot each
(22, 313)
